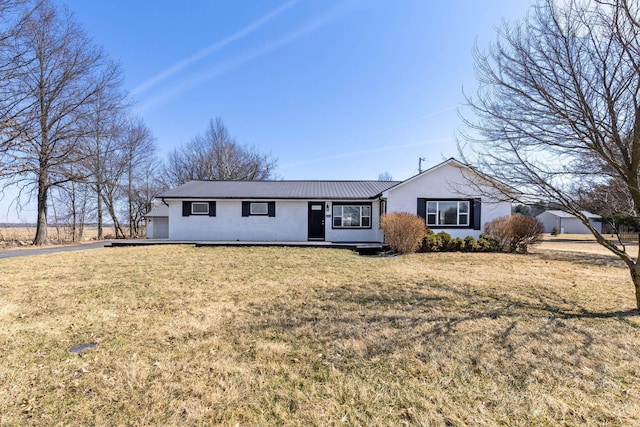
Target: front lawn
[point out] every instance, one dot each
(289, 336)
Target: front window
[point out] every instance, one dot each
(448, 213)
(352, 216)
(259, 208)
(199, 208)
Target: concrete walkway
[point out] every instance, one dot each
(362, 248)
(12, 253)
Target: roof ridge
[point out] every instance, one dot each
(288, 180)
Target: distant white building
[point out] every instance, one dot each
(567, 223)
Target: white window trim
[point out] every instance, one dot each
(354, 205)
(193, 211)
(458, 213)
(255, 204)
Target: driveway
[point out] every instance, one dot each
(12, 253)
(580, 243)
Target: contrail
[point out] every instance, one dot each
(240, 60)
(144, 86)
(374, 150)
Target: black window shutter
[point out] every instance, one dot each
(272, 208)
(212, 208)
(186, 208)
(245, 208)
(477, 214)
(422, 208)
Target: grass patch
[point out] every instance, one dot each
(263, 336)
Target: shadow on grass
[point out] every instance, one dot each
(581, 258)
(361, 323)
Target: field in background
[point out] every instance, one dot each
(15, 236)
(286, 336)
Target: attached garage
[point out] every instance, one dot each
(158, 223)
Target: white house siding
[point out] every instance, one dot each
(290, 224)
(441, 183)
(373, 234)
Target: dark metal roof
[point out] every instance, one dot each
(278, 190)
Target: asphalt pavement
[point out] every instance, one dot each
(12, 253)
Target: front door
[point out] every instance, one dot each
(316, 221)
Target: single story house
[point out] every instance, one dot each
(450, 196)
(567, 223)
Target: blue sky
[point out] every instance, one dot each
(332, 89)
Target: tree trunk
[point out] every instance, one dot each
(117, 228)
(130, 196)
(99, 212)
(41, 226)
(635, 277)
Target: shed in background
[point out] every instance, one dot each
(567, 223)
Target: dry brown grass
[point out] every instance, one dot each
(284, 336)
(585, 243)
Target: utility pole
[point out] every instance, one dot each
(420, 160)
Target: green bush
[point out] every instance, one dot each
(404, 231)
(456, 244)
(555, 231)
(430, 242)
(486, 243)
(445, 240)
(470, 244)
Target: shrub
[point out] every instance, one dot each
(444, 241)
(403, 231)
(456, 244)
(470, 244)
(515, 233)
(430, 242)
(555, 231)
(486, 243)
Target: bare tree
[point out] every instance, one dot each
(13, 14)
(146, 184)
(122, 152)
(58, 80)
(72, 200)
(215, 155)
(385, 176)
(101, 146)
(559, 106)
(142, 174)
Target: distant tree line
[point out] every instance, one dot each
(69, 141)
